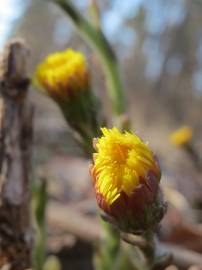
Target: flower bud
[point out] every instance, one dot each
(181, 136)
(64, 76)
(126, 179)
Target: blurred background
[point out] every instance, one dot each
(159, 47)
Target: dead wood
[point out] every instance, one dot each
(15, 153)
(69, 220)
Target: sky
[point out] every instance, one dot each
(10, 12)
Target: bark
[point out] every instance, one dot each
(15, 153)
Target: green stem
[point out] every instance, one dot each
(109, 248)
(97, 40)
(94, 13)
(39, 201)
(155, 259)
(149, 249)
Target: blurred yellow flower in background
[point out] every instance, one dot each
(63, 74)
(181, 136)
(52, 263)
(126, 177)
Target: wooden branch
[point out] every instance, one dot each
(182, 257)
(15, 152)
(67, 219)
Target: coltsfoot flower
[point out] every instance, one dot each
(65, 77)
(126, 179)
(62, 75)
(181, 136)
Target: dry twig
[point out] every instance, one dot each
(70, 220)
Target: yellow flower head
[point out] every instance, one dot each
(181, 136)
(121, 163)
(126, 179)
(63, 74)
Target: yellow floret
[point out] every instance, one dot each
(122, 161)
(62, 73)
(181, 136)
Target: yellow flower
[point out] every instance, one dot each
(122, 162)
(63, 74)
(125, 175)
(181, 136)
